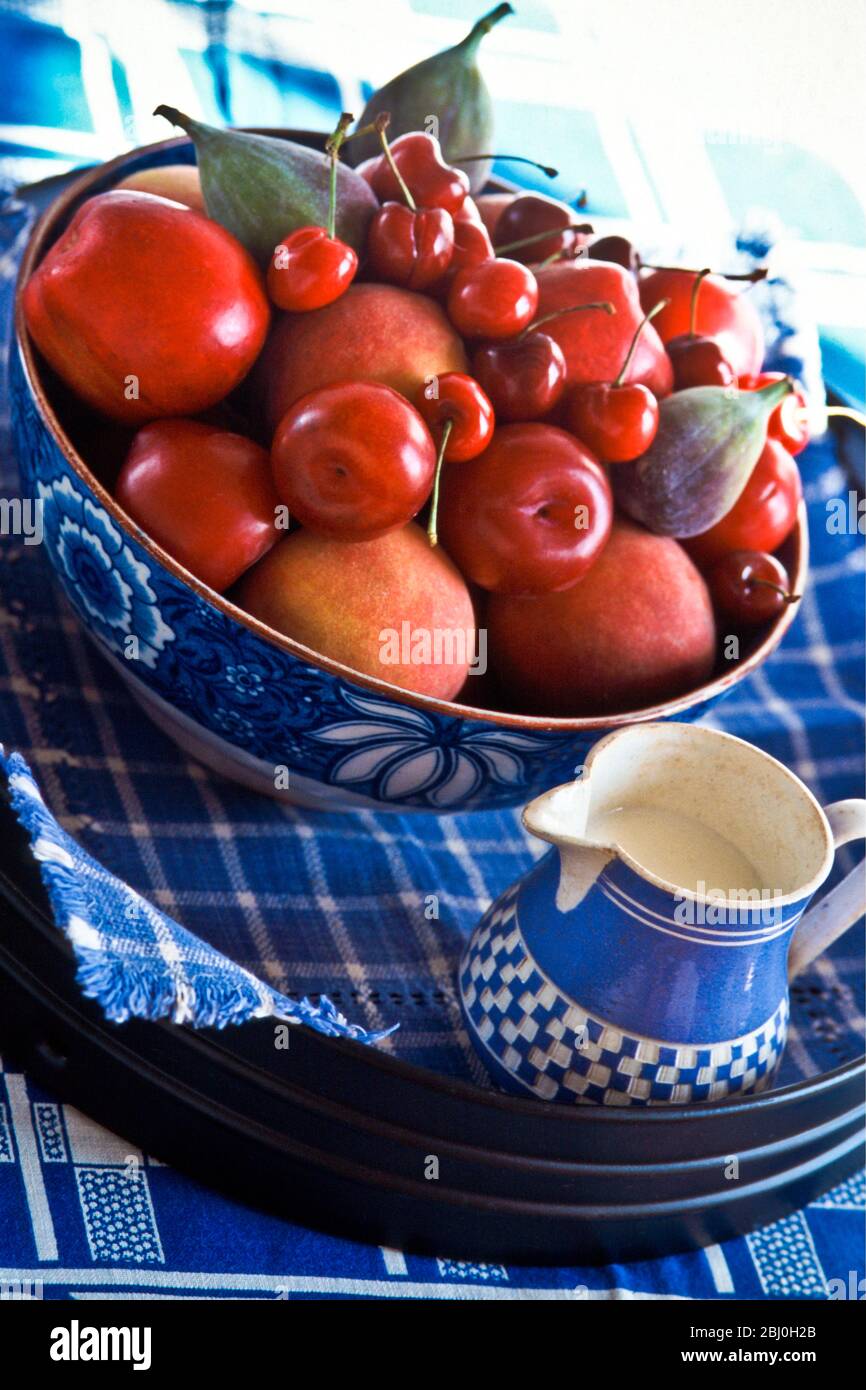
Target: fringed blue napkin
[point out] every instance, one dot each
(133, 959)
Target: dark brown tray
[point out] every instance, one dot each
(339, 1136)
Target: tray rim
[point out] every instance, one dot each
(351, 1187)
(466, 1091)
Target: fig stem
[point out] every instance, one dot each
(483, 25)
(775, 391)
(633, 345)
(432, 536)
(543, 236)
(332, 149)
(381, 124)
(693, 302)
(843, 412)
(175, 117)
(546, 169)
(604, 304)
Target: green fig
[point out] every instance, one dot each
(448, 87)
(261, 188)
(708, 442)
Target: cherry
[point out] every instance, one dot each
(525, 376)
(529, 515)
(311, 267)
(456, 404)
(353, 460)
(527, 218)
(460, 418)
(617, 249)
(409, 246)
(789, 422)
(698, 360)
(468, 212)
(495, 299)
(419, 164)
(763, 515)
(472, 245)
(619, 420)
(750, 587)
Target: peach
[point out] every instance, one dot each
(393, 607)
(637, 630)
(371, 333)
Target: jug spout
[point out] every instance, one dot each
(559, 817)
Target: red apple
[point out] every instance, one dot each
(205, 495)
(595, 344)
(725, 312)
(145, 308)
(491, 207)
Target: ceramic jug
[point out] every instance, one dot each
(594, 978)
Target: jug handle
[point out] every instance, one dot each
(843, 905)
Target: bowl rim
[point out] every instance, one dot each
(41, 235)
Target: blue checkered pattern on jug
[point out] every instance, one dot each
(533, 1037)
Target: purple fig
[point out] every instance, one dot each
(709, 440)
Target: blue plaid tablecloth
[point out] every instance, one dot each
(328, 904)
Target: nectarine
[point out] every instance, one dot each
(371, 333)
(179, 182)
(637, 630)
(394, 607)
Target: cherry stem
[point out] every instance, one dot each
(568, 253)
(381, 123)
(633, 345)
(332, 149)
(543, 236)
(604, 304)
(434, 501)
(546, 169)
(368, 129)
(768, 584)
(845, 413)
(752, 277)
(693, 302)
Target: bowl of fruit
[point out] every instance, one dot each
(380, 490)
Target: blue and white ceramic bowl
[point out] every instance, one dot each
(245, 700)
